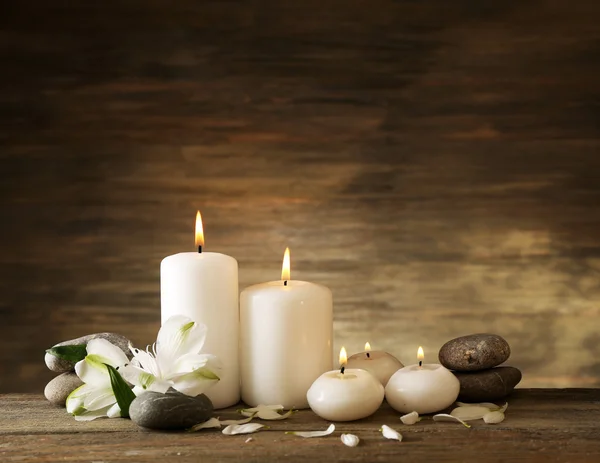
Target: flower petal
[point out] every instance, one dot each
(114, 411)
(475, 412)
(494, 417)
(179, 336)
(350, 440)
(92, 415)
(190, 362)
(91, 370)
(233, 429)
(75, 399)
(410, 418)
(244, 421)
(390, 433)
(106, 352)
(327, 432)
(260, 408)
(142, 380)
(211, 423)
(146, 361)
(195, 383)
(99, 398)
(445, 417)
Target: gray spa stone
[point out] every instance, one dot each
(474, 352)
(487, 385)
(58, 389)
(169, 411)
(61, 365)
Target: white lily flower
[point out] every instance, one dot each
(175, 360)
(96, 398)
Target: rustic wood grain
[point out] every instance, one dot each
(434, 163)
(541, 425)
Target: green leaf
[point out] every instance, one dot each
(122, 391)
(73, 353)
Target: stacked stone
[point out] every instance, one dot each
(474, 360)
(59, 388)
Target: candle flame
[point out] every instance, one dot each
(285, 268)
(367, 347)
(199, 230)
(420, 354)
(343, 356)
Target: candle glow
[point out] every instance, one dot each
(199, 231)
(343, 356)
(367, 347)
(285, 268)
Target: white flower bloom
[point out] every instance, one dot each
(350, 440)
(175, 360)
(96, 398)
(390, 433)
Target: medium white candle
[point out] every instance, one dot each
(204, 287)
(345, 395)
(380, 364)
(422, 388)
(286, 331)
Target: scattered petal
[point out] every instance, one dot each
(445, 417)
(267, 412)
(212, 423)
(489, 405)
(410, 418)
(328, 431)
(390, 433)
(350, 440)
(494, 417)
(234, 429)
(244, 421)
(475, 412)
(503, 408)
(250, 439)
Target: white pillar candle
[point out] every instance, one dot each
(422, 388)
(204, 287)
(380, 364)
(345, 395)
(286, 331)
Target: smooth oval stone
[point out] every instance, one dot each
(61, 365)
(474, 352)
(487, 385)
(172, 410)
(58, 389)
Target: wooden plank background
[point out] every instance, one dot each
(434, 163)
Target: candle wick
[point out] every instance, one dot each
(285, 283)
(200, 249)
(368, 355)
(420, 363)
(342, 369)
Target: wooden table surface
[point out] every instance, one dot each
(541, 425)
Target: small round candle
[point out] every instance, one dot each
(422, 388)
(380, 364)
(345, 394)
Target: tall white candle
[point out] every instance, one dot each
(286, 332)
(204, 287)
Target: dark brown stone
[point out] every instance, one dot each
(474, 352)
(487, 385)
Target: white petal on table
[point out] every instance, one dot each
(327, 432)
(390, 433)
(350, 440)
(249, 428)
(473, 412)
(410, 418)
(445, 417)
(494, 417)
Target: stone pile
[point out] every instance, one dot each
(59, 388)
(474, 360)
